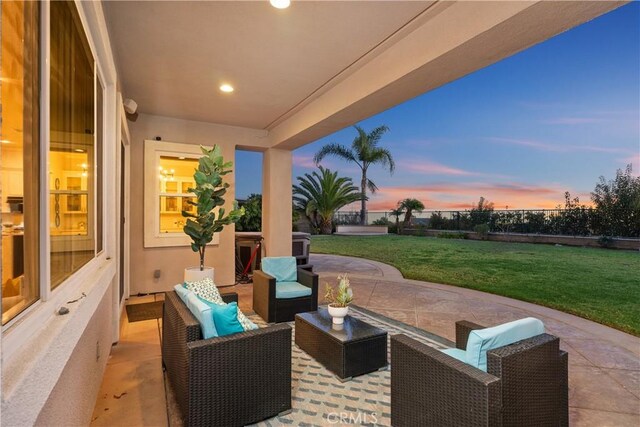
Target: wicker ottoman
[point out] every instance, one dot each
(356, 349)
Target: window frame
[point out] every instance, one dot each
(99, 175)
(153, 151)
(61, 242)
(27, 323)
(32, 225)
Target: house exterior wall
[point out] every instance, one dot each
(50, 370)
(52, 366)
(68, 403)
(171, 261)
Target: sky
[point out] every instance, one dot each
(519, 133)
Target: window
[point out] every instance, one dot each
(169, 169)
(175, 176)
(19, 148)
(73, 145)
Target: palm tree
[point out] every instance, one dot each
(409, 206)
(397, 212)
(320, 195)
(364, 152)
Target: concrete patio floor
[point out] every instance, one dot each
(604, 364)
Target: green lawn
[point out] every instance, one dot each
(598, 284)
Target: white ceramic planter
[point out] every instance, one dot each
(338, 313)
(194, 274)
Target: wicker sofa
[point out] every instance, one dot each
(273, 309)
(525, 384)
(232, 380)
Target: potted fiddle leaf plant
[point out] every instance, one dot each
(339, 299)
(210, 216)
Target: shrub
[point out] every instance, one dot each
(482, 230)
(437, 221)
(381, 221)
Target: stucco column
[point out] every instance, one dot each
(276, 202)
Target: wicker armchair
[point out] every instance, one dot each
(225, 381)
(273, 309)
(525, 384)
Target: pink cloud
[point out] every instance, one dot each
(428, 167)
(634, 159)
(303, 161)
(433, 168)
(454, 196)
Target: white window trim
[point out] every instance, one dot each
(153, 150)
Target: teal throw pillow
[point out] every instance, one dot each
(225, 316)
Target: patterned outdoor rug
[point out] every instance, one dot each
(144, 311)
(319, 398)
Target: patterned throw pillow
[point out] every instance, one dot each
(207, 290)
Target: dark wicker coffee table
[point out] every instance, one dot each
(357, 349)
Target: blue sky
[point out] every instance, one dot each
(520, 132)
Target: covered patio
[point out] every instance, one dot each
(164, 78)
(604, 363)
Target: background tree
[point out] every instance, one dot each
(409, 206)
(252, 218)
(481, 213)
(397, 212)
(617, 205)
(364, 152)
(574, 217)
(322, 193)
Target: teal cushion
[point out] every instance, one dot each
(286, 290)
(182, 293)
(482, 340)
(247, 324)
(204, 314)
(456, 353)
(225, 317)
(283, 268)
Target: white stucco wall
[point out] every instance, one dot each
(72, 400)
(58, 362)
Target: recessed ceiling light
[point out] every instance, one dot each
(5, 141)
(181, 158)
(79, 150)
(227, 88)
(280, 4)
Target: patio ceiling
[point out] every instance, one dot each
(173, 56)
(316, 67)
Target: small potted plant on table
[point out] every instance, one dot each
(339, 299)
(209, 191)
